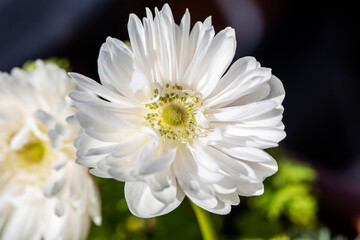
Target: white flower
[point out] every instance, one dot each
(44, 194)
(170, 121)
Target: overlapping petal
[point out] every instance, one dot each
(143, 203)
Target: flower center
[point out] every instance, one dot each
(173, 114)
(35, 157)
(32, 152)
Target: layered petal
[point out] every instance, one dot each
(142, 203)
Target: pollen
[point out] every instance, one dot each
(173, 115)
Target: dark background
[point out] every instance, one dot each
(312, 46)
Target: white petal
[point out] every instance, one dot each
(233, 167)
(257, 93)
(116, 65)
(45, 118)
(265, 169)
(260, 161)
(202, 120)
(59, 208)
(214, 206)
(231, 198)
(239, 67)
(268, 119)
(103, 131)
(250, 189)
(139, 82)
(81, 96)
(138, 44)
(151, 132)
(216, 60)
(99, 173)
(199, 41)
(89, 98)
(207, 167)
(242, 141)
(55, 186)
(202, 157)
(166, 196)
(186, 172)
(277, 92)
(122, 166)
(225, 186)
(27, 217)
(62, 130)
(60, 163)
(20, 139)
(90, 85)
(147, 165)
(55, 139)
(164, 38)
(143, 204)
(272, 134)
(183, 48)
(240, 85)
(123, 173)
(101, 114)
(104, 150)
(240, 113)
(246, 153)
(130, 147)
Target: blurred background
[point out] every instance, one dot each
(312, 46)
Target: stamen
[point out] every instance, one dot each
(158, 92)
(173, 114)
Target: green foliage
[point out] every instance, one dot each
(309, 234)
(251, 224)
(288, 193)
(60, 62)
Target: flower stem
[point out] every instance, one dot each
(205, 223)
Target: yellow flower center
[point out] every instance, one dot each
(31, 153)
(173, 115)
(35, 159)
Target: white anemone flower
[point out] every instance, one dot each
(44, 194)
(171, 121)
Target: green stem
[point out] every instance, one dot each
(203, 218)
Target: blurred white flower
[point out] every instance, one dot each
(44, 194)
(170, 122)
